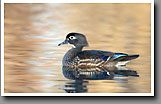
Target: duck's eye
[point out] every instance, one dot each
(72, 37)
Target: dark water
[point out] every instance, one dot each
(33, 61)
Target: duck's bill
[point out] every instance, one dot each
(65, 42)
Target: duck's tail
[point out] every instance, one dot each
(126, 58)
(121, 61)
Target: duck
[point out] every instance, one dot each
(77, 57)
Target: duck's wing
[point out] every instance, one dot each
(105, 55)
(92, 58)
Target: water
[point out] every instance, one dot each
(33, 61)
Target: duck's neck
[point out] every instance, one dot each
(71, 54)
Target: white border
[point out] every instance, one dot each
(77, 94)
(2, 48)
(78, 1)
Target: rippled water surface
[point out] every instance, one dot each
(33, 61)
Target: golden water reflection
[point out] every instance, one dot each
(33, 59)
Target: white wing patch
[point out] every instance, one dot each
(121, 63)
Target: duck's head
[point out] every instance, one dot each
(76, 40)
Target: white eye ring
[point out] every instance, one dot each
(72, 37)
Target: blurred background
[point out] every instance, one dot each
(33, 61)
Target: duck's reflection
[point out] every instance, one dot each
(80, 76)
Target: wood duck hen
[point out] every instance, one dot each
(76, 57)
